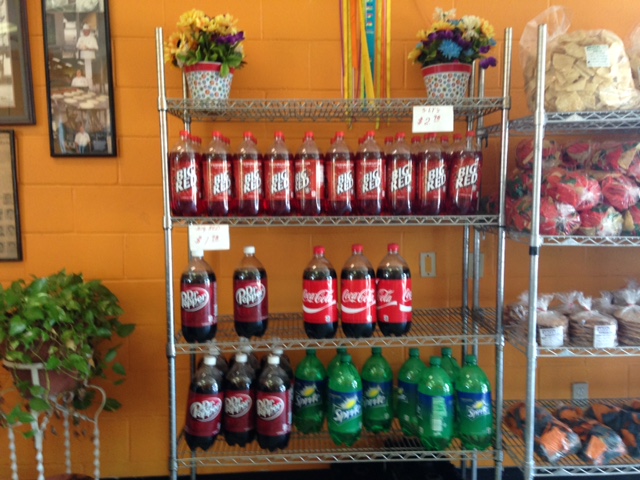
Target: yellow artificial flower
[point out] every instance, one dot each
(225, 24)
(190, 19)
(423, 35)
(414, 54)
(441, 26)
(488, 30)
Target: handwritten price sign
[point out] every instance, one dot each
(427, 119)
(209, 237)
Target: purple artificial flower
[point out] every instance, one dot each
(485, 49)
(488, 62)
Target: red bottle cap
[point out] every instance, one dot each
(457, 136)
(393, 248)
(339, 135)
(471, 134)
(357, 248)
(318, 250)
(400, 136)
(309, 135)
(279, 136)
(416, 138)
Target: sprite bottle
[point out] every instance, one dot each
(407, 393)
(450, 364)
(344, 417)
(335, 361)
(309, 393)
(377, 386)
(435, 407)
(473, 406)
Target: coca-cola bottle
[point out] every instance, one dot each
(370, 177)
(204, 406)
(273, 406)
(250, 296)
(393, 294)
(320, 297)
(184, 174)
(216, 178)
(357, 286)
(400, 178)
(248, 195)
(239, 420)
(278, 176)
(340, 176)
(309, 178)
(432, 178)
(465, 177)
(198, 300)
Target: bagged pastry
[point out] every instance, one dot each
(590, 328)
(628, 318)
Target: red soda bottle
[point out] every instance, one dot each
(247, 177)
(464, 181)
(309, 178)
(370, 177)
(400, 178)
(278, 176)
(251, 300)
(184, 174)
(431, 178)
(273, 406)
(216, 176)
(238, 422)
(340, 177)
(320, 297)
(393, 294)
(198, 300)
(358, 294)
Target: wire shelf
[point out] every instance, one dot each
(430, 327)
(323, 110)
(578, 240)
(571, 465)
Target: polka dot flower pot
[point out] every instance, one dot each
(447, 80)
(206, 83)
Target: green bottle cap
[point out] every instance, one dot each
(414, 352)
(470, 360)
(341, 350)
(311, 352)
(435, 361)
(447, 352)
(376, 350)
(345, 358)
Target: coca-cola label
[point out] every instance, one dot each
(198, 304)
(308, 394)
(217, 185)
(394, 301)
(239, 411)
(248, 176)
(273, 413)
(309, 179)
(370, 181)
(250, 300)
(358, 301)
(279, 180)
(204, 414)
(320, 301)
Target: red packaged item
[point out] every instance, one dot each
(555, 218)
(551, 154)
(613, 156)
(519, 183)
(601, 220)
(619, 191)
(576, 155)
(631, 224)
(577, 189)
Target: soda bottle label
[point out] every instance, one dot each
(377, 395)
(400, 183)
(307, 394)
(185, 180)
(319, 301)
(407, 398)
(217, 185)
(278, 181)
(309, 179)
(273, 411)
(432, 185)
(250, 303)
(195, 304)
(203, 414)
(475, 414)
(465, 184)
(394, 300)
(370, 180)
(238, 411)
(345, 410)
(249, 180)
(436, 413)
(358, 301)
(340, 181)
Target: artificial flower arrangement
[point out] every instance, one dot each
(455, 40)
(201, 38)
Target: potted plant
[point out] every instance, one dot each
(209, 49)
(54, 326)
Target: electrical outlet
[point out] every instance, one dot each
(472, 263)
(580, 391)
(428, 264)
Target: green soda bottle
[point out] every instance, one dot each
(473, 406)
(335, 361)
(309, 393)
(407, 393)
(377, 386)
(344, 416)
(450, 364)
(435, 407)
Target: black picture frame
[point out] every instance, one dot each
(16, 85)
(10, 233)
(80, 95)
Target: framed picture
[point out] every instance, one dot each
(16, 87)
(77, 46)
(10, 237)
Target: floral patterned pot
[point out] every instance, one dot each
(205, 83)
(447, 80)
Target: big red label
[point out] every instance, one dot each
(248, 179)
(370, 181)
(340, 181)
(320, 301)
(204, 414)
(239, 411)
(358, 301)
(464, 186)
(279, 180)
(401, 181)
(309, 179)
(394, 302)
(273, 413)
(217, 185)
(250, 300)
(198, 304)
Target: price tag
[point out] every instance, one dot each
(209, 237)
(436, 118)
(551, 337)
(604, 336)
(597, 56)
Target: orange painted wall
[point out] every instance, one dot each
(104, 216)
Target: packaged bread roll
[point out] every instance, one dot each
(628, 318)
(590, 328)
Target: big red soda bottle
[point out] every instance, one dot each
(247, 177)
(400, 178)
(370, 177)
(198, 300)
(184, 174)
(204, 406)
(358, 294)
(464, 180)
(393, 294)
(273, 406)
(309, 177)
(340, 176)
(239, 422)
(216, 176)
(432, 178)
(320, 297)
(278, 176)
(250, 296)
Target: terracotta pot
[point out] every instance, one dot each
(447, 80)
(206, 83)
(56, 383)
